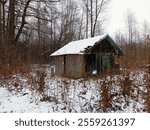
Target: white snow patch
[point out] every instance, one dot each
(68, 95)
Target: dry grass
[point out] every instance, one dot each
(7, 70)
(105, 96)
(147, 94)
(126, 85)
(41, 80)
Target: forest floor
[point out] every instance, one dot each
(39, 92)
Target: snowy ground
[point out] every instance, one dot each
(19, 95)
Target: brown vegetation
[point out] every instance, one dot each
(41, 80)
(147, 93)
(105, 101)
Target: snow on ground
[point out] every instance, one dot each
(18, 95)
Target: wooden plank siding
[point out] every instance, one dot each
(59, 65)
(74, 67)
(71, 66)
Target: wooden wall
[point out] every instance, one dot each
(74, 67)
(71, 66)
(59, 65)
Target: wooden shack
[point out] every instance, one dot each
(87, 57)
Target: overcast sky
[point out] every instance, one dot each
(118, 13)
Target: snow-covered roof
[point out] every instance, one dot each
(78, 47)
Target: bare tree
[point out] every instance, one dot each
(146, 41)
(131, 25)
(23, 22)
(0, 22)
(87, 17)
(3, 3)
(119, 38)
(11, 21)
(16, 17)
(28, 22)
(95, 10)
(145, 31)
(69, 22)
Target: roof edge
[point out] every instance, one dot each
(81, 53)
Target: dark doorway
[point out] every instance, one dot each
(90, 63)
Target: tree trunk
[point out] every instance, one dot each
(97, 12)
(87, 19)
(92, 18)
(23, 21)
(0, 23)
(3, 18)
(11, 22)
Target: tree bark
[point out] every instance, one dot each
(3, 18)
(11, 22)
(97, 12)
(23, 21)
(92, 18)
(0, 22)
(87, 19)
